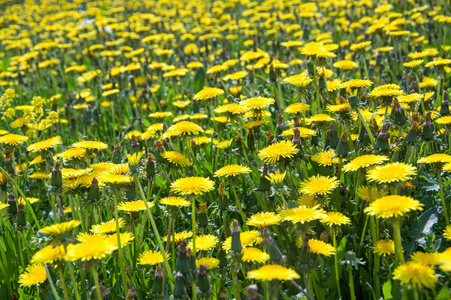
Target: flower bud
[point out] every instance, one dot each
(158, 150)
(202, 216)
(9, 163)
(333, 136)
(397, 114)
(272, 73)
(56, 180)
(21, 222)
(306, 32)
(134, 145)
(411, 137)
(265, 184)
(353, 102)
(157, 285)
(304, 259)
(182, 264)
(93, 192)
(12, 208)
(280, 126)
(239, 145)
(179, 287)
(428, 128)
(444, 109)
(236, 249)
(252, 293)
(382, 143)
(270, 137)
(204, 283)
(116, 157)
(273, 250)
(342, 148)
(223, 204)
(314, 139)
(150, 166)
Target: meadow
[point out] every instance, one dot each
(228, 149)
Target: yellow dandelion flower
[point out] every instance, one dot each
(61, 228)
(116, 179)
(446, 120)
(277, 151)
(176, 158)
(231, 108)
(364, 193)
(384, 247)
(224, 144)
(273, 272)
(107, 227)
(300, 80)
(45, 145)
(134, 206)
(430, 259)
(325, 158)
(345, 65)
(125, 239)
(204, 242)
(390, 173)
(35, 175)
(413, 64)
(72, 153)
(438, 62)
(49, 254)
(318, 247)
(435, 158)
(417, 274)
(174, 201)
(236, 76)
(33, 275)
(264, 219)
(208, 93)
(364, 161)
(257, 103)
(181, 236)
(297, 108)
(183, 128)
(209, 262)
(90, 145)
(277, 177)
(355, 83)
(319, 118)
(255, 124)
(192, 185)
(335, 218)
(303, 132)
(319, 185)
(303, 214)
(13, 139)
(252, 254)
(447, 232)
(89, 250)
(393, 206)
(232, 170)
(359, 46)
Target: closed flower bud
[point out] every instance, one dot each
(297, 141)
(182, 265)
(223, 204)
(280, 126)
(150, 166)
(428, 128)
(411, 137)
(273, 250)
(314, 139)
(239, 144)
(9, 163)
(270, 137)
(134, 145)
(21, 222)
(236, 248)
(56, 180)
(333, 136)
(252, 293)
(342, 148)
(304, 260)
(265, 184)
(116, 157)
(179, 287)
(382, 143)
(272, 73)
(12, 208)
(397, 114)
(158, 150)
(157, 286)
(306, 32)
(204, 282)
(93, 192)
(353, 101)
(202, 216)
(222, 257)
(444, 109)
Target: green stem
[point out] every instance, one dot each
(157, 235)
(337, 277)
(442, 196)
(351, 283)
(63, 282)
(96, 282)
(121, 255)
(399, 257)
(238, 204)
(365, 124)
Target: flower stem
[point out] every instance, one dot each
(238, 204)
(96, 282)
(63, 282)
(351, 283)
(399, 257)
(337, 277)
(442, 196)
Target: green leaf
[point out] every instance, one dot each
(444, 294)
(423, 226)
(386, 290)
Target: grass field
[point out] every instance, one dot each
(225, 149)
